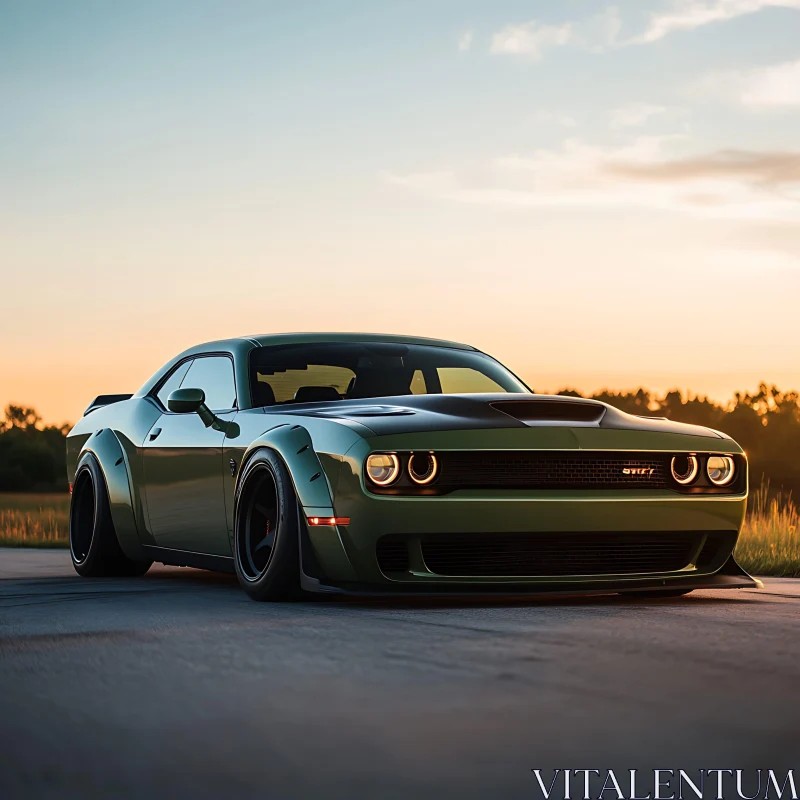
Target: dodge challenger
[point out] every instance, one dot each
(356, 463)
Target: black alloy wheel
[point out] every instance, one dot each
(266, 544)
(93, 544)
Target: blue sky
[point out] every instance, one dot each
(597, 193)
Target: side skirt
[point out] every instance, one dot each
(185, 558)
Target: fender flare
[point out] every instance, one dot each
(113, 461)
(293, 444)
(295, 447)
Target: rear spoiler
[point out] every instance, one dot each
(106, 400)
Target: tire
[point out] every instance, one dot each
(93, 544)
(266, 550)
(656, 593)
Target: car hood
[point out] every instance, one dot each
(440, 412)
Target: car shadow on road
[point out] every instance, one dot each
(186, 577)
(522, 601)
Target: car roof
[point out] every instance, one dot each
(271, 339)
(243, 344)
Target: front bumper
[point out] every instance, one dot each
(345, 556)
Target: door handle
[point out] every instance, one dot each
(154, 434)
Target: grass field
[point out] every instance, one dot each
(770, 540)
(769, 544)
(34, 520)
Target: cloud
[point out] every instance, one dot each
(761, 88)
(775, 170)
(465, 41)
(555, 118)
(686, 15)
(743, 185)
(530, 39)
(601, 31)
(635, 115)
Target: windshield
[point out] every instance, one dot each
(307, 373)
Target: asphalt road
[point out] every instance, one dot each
(177, 685)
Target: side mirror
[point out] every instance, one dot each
(186, 401)
(189, 401)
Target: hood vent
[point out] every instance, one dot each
(360, 411)
(552, 412)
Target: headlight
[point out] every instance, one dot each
(684, 469)
(383, 468)
(422, 467)
(720, 470)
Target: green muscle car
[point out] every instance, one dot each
(358, 463)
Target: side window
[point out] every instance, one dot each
(463, 380)
(173, 382)
(214, 375)
(418, 383)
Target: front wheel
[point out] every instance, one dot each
(265, 547)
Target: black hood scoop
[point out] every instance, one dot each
(549, 412)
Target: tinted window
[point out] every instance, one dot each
(214, 375)
(173, 382)
(286, 384)
(331, 371)
(418, 385)
(463, 380)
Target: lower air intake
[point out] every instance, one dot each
(716, 550)
(556, 555)
(392, 554)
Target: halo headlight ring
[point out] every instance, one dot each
(383, 469)
(430, 471)
(684, 469)
(720, 470)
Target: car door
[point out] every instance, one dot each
(183, 469)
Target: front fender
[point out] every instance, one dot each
(113, 461)
(294, 445)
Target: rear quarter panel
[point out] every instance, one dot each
(115, 434)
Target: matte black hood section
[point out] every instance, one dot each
(448, 412)
(544, 411)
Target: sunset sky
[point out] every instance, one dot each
(597, 194)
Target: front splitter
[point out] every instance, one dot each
(730, 576)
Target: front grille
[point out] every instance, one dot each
(392, 555)
(552, 555)
(551, 470)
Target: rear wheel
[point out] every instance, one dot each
(266, 549)
(93, 543)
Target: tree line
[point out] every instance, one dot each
(766, 424)
(32, 455)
